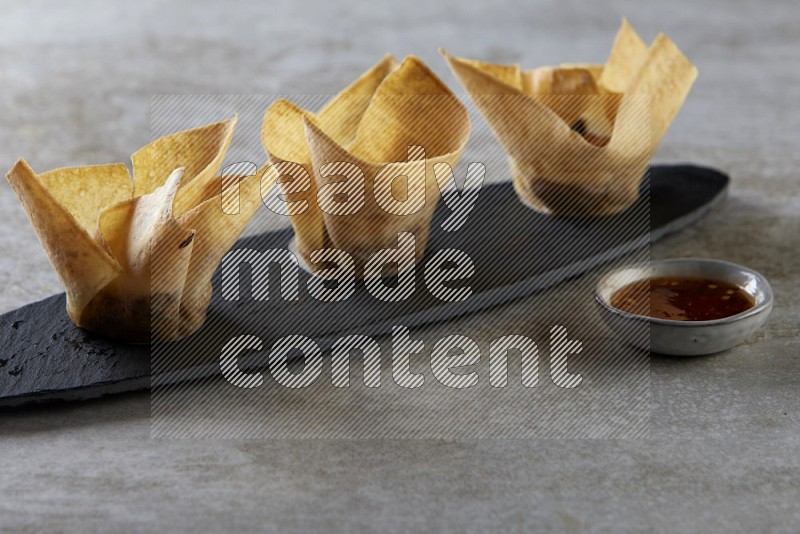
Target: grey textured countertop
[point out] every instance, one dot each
(724, 446)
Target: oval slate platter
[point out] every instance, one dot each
(516, 252)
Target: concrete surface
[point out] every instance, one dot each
(724, 451)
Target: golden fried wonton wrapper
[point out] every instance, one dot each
(371, 124)
(136, 256)
(580, 137)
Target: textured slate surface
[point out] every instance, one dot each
(46, 358)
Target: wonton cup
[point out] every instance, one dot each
(372, 124)
(136, 256)
(580, 137)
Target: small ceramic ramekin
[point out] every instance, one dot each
(685, 338)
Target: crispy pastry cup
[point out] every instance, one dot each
(580, 137)
(396, 120)
(136, 256)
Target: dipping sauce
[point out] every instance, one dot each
(682, 299)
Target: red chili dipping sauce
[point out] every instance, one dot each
(682, 299)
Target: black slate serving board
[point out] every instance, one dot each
(516, 252)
